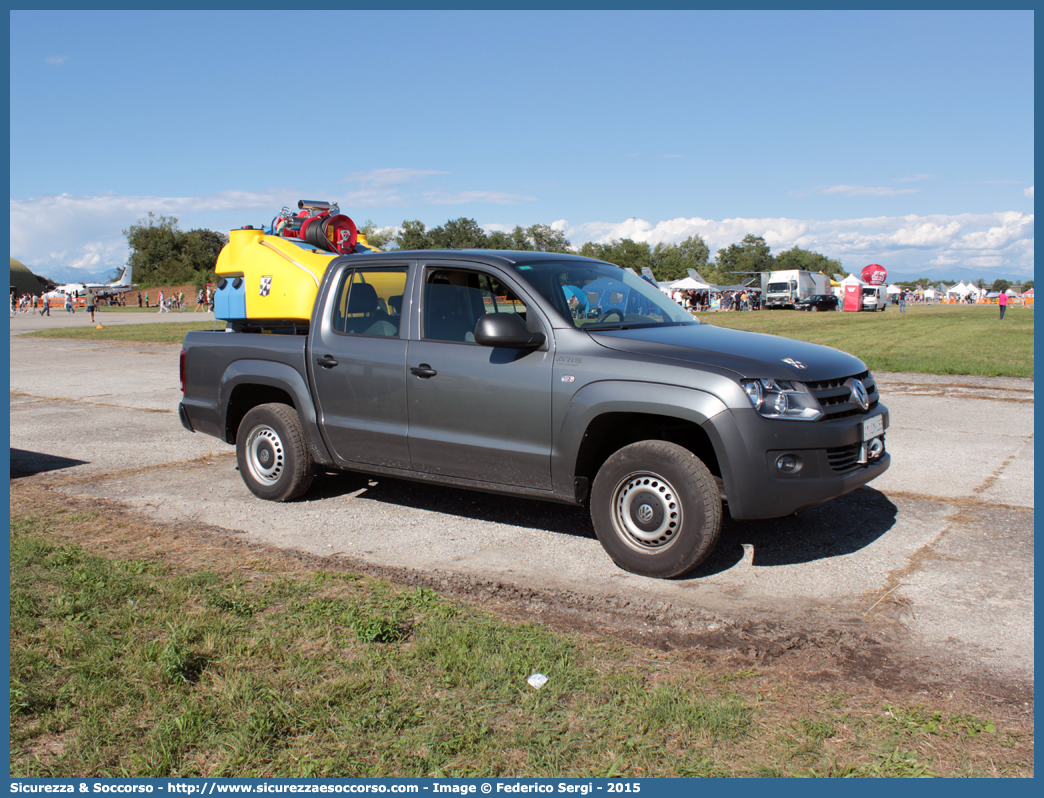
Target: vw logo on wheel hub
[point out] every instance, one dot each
(645, 513)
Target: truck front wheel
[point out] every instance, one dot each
(272, 453)
(656, 509)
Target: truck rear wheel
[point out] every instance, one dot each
(272, 453)
(656, 509)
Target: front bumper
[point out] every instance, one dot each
(829, 454)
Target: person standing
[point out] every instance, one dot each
(1002, 302)
(161, 303)
(46, 309)
(902, 300)
(92, 300)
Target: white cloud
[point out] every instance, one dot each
(913, 179)
(390, 177)
(82, 235)
(461, 197)
(1001, 242)
(861, 191)
(391, 187)
(58, 234)
(1029, 192)
(56, 60)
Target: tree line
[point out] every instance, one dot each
(162, 254)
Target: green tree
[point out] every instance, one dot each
(751, 255)
(545, 239)
(516, 239)
(1000, 285)
(1026, 286)
(199, 249)
(459, 233)
(627, 253)
(162, 254)
(797, 258)
(376, 237)
(672, 261)
(412, 235)
(153, 243)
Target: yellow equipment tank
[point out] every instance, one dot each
(278, 279)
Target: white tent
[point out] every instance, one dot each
(893, 289)
(687, 284)
(961, 289)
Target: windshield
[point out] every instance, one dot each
(778, 288)
(600, 296)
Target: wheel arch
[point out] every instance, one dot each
(605, 417)
(247, 384)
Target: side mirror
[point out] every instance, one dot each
(506, 329)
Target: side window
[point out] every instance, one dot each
(369, 302)
(455, 299)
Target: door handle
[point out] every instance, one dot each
(326, 361)
(423, 370)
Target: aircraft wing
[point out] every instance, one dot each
(738, 287)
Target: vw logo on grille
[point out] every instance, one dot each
(859, 395)
(645, 513)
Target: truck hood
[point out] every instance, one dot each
(751, 355)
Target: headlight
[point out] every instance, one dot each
(782, 399)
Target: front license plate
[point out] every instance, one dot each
(873, 427)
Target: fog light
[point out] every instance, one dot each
(788, 464)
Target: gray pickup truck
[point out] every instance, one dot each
(543, 375)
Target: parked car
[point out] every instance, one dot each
(818, 302)
(470, 369)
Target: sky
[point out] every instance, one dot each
(898, 138)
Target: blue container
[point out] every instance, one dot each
(230, 299)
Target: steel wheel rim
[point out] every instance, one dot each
(265, 455)
(646, 512)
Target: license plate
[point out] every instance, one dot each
(873, 427)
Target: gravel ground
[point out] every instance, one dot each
(927, 572)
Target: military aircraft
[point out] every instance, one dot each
(98, 289)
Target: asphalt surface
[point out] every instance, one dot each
(936, 555)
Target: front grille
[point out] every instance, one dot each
(835, 396)
(844, 458)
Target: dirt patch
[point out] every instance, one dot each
(169, 291)
(807, 653)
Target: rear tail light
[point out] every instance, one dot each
(181, 370)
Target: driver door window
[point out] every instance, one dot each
(454, 301)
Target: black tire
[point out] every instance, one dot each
(677, 525)
(272, 453)
(813, 308)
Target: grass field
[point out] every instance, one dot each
(138, 651)
(931, 339)
(164, 332)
